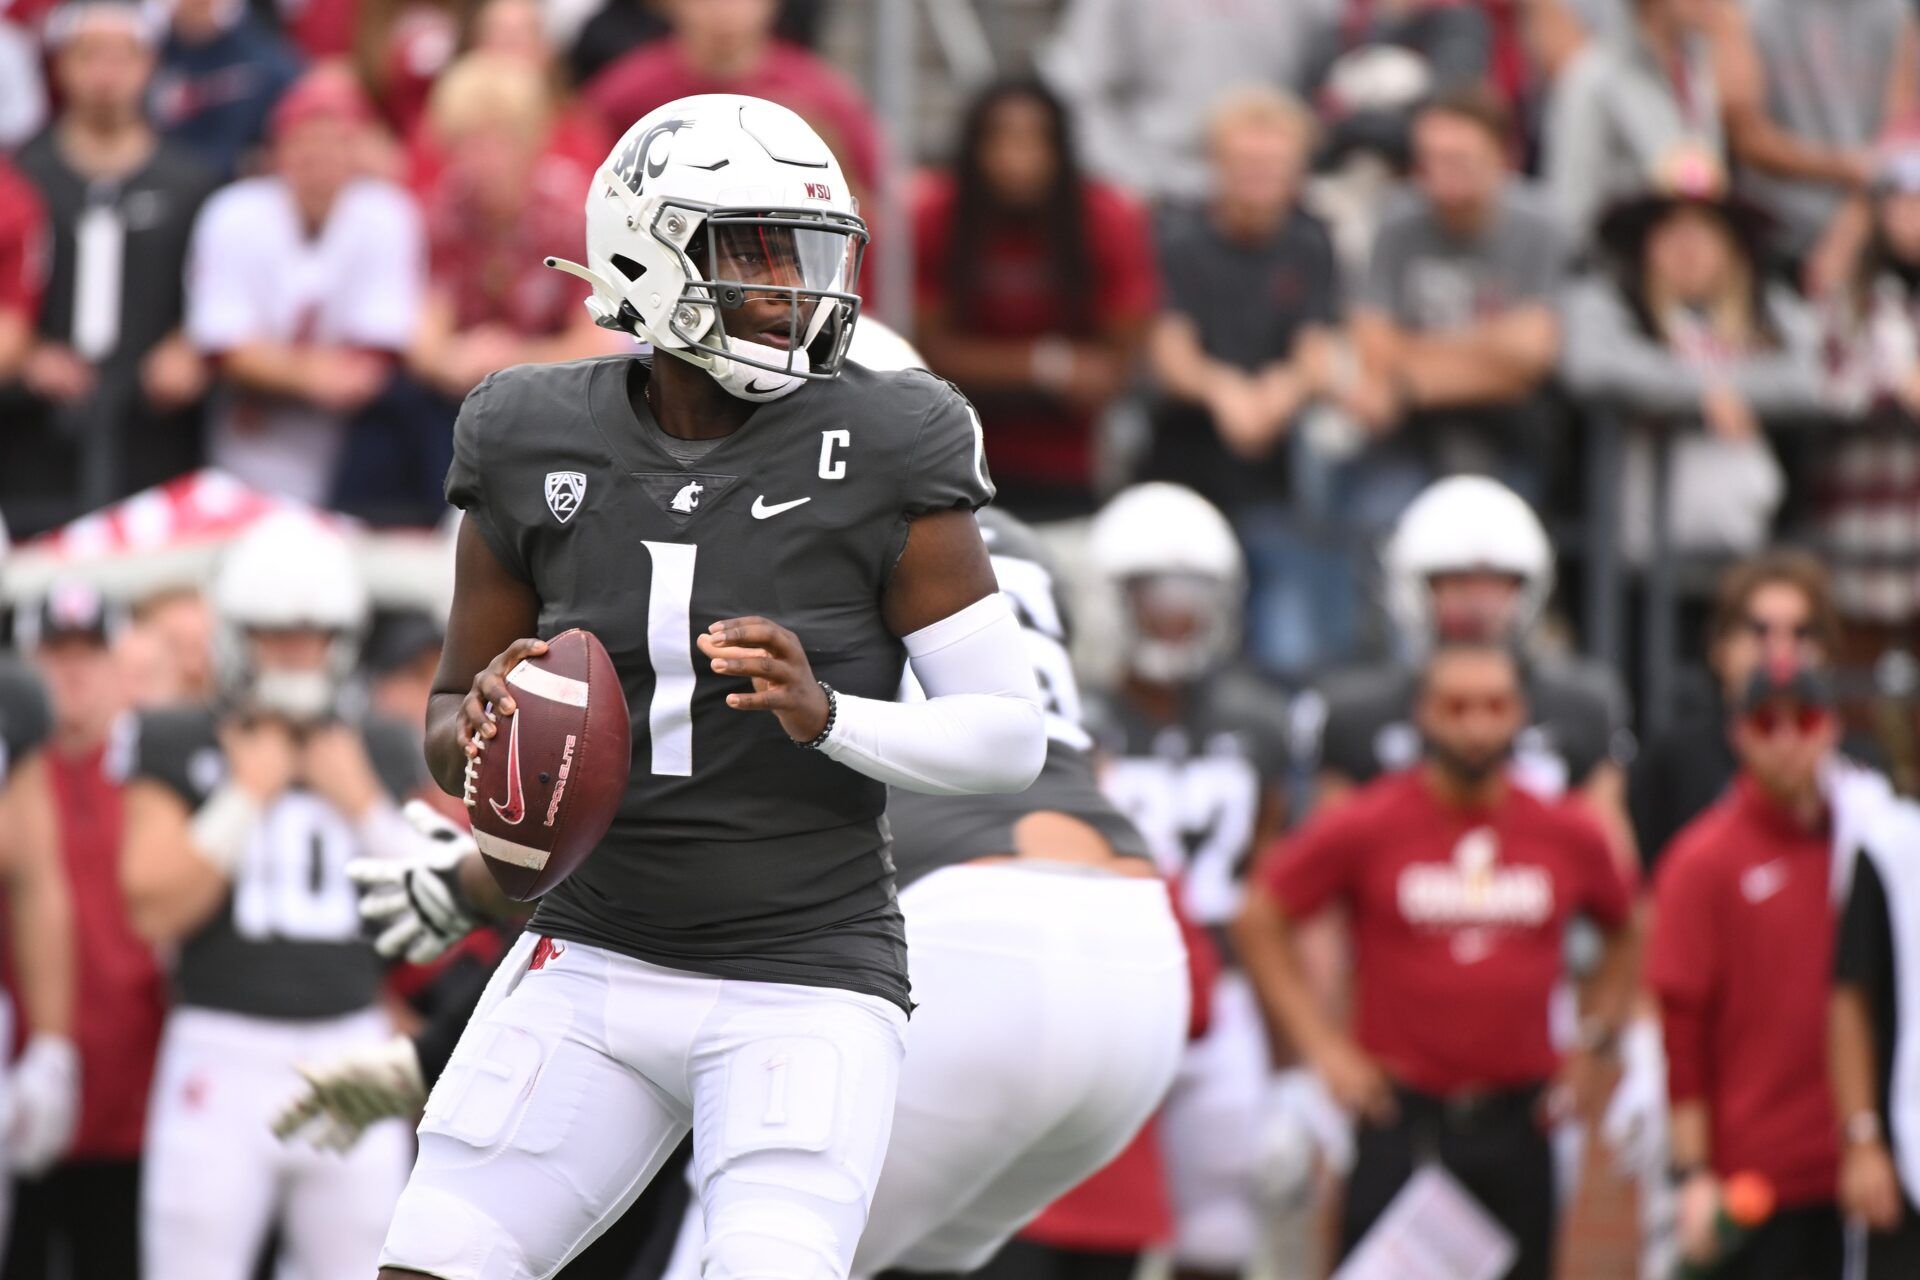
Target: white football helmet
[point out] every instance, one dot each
(1167, 542)
(288, 572)
(1460, 525)
(709, 200)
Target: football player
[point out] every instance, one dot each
(40, 1093)
(1049, 980)
(1469, 560)
(762, 538)
(1197, 754)
(240, 819)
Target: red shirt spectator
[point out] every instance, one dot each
(1458, 917)
(23, 245)
(1740, 955)
(121, 999)
(658, 73)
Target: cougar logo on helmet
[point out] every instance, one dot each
(642, 160)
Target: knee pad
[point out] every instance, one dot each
(442, 1235)
(764, 1238)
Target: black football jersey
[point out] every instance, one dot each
(734, 853)
(25, 718)
(1359, 724)
(1194, 787)
(287, 942)
(931, 832)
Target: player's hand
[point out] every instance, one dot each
(43, 1104)
(1635, 1123)
(489, 691)
(1869, 1187)
(54, 372)
(1300, 1131)
(414, 905)
(1583, 1087)
(1356, 1081)
(344, 1095)
(334, 765)
(262, 757)
(173, 374)
(1694, 1217)
(770, 655)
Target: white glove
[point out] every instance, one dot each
(414, 903)
(1300, 1130)
(1635, 1123)
(43, 1104)
(345, 1095)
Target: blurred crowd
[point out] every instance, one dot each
(1395, 325)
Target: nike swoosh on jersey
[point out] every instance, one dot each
(515, 808)
(761, 510)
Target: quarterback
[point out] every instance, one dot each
(763, 536)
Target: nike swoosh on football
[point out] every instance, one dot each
(515, 808)
(761, 510)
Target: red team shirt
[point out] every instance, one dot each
(1457, 919)
(23, 249)
(1740, 954)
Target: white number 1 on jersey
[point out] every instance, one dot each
(669, 619)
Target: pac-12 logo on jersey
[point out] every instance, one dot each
(689, 496)
(566, 490)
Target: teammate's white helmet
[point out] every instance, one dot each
(1167, 537)
(878, 347)
(731, 176)
(289, 572)
(1460, 525)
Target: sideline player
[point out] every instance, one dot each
(732, 958)
(40, 1093)
(240, 819)
(1197, 754)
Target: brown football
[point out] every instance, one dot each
(545, 790)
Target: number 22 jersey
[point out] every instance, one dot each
(734, 853)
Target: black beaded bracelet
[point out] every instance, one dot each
(833, 713)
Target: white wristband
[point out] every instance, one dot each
(222, 826)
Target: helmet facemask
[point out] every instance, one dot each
(1179, 627)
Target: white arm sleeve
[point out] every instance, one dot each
(981, 727)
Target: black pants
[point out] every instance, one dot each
(1806, 1242)
(1895, 1255)
(1025, 1260)
(79, 1222)
(1492, 1143)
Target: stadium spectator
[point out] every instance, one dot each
(1458, 887)
(1455, 322)
(1418, 48)
(616, 27)
(1689, 334)
(1142, 77)
(23, 232)
(221, 71)
(167, 649)
(1808, 87)
(503, 202)
(1772, 610)
(729, 46)
(85, 1210)
(1870, 1030)
(305, 284)
(1626, 101)
(400, 47)
(118, 382)
(1740, 957)
(1241, 347)
(1867, 475)
(1034, 288)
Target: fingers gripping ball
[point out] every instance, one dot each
(542, 791)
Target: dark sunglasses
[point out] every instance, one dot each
(1760, 629)
(1494, 704)
(1805, 718)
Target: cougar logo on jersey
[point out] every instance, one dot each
(566, 490)
(689, 496)
(1474, 890)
